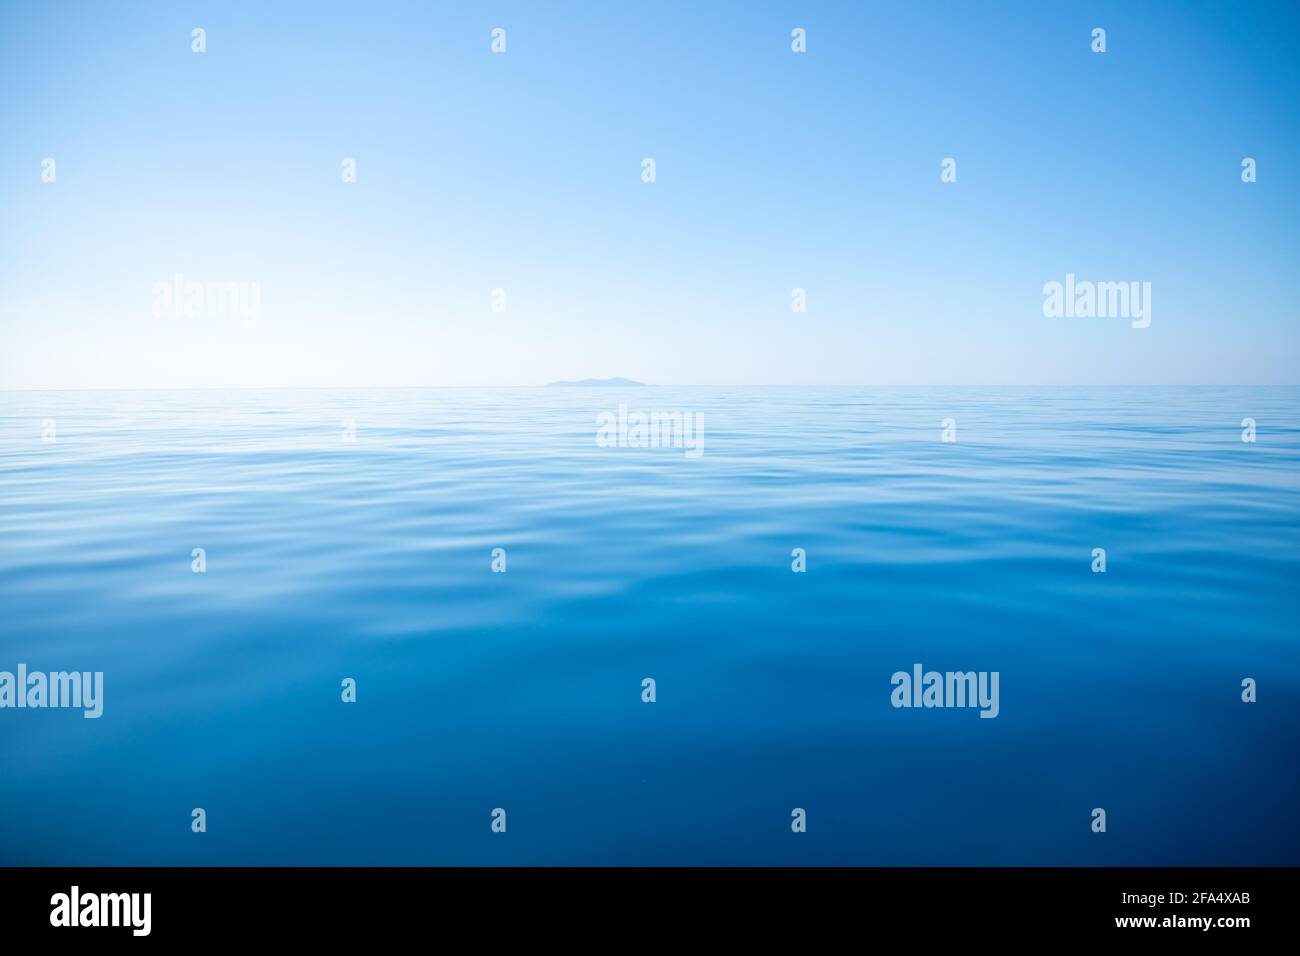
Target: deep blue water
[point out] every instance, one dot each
(371, 559)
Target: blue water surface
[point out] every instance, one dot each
(371, 559)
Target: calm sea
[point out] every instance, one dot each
(349, 534)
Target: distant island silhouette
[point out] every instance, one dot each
(595, 383)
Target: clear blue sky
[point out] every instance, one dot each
(522, 171)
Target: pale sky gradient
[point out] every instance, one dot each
(522, 171)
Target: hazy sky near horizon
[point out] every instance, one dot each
(522, 171)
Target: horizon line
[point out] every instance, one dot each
(318, 388)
